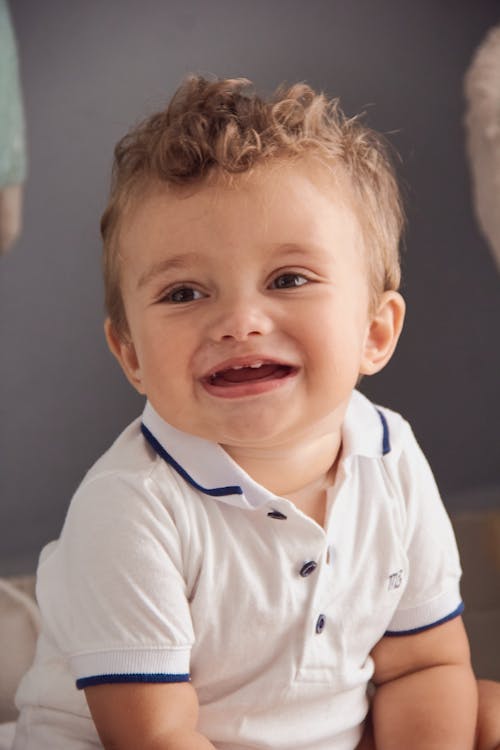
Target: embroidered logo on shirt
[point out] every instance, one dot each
(395, 580)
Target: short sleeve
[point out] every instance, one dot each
(432, 593)
(112, 591)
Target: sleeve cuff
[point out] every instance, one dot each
(436, 612)
(131, 665)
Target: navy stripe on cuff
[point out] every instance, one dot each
(108, 679)
(458, 611)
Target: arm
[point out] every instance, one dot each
(151, 716)
(426, 695)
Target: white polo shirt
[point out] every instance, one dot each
(173, 564)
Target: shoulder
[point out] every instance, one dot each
(129, 453)
(128, 484)
(387, 439)
(400, 436)
(410, 481)
(375, 430)
(129, 507)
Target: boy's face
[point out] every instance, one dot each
(247, 306)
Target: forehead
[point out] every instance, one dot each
(299, 201)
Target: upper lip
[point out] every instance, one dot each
(248, 360)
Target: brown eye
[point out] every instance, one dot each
(182, 294)
(289, 281)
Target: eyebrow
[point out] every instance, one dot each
(174, 262)
(291, 249)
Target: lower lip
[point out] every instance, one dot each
(244, 390)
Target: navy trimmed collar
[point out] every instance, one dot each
(208, 468)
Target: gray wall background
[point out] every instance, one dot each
(89, 70)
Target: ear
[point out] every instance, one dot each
(122, 347)
(383, 333)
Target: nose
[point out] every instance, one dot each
(239, 319)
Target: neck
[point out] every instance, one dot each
(293, 471)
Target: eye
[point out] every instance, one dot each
(182, 294)
(289, 281)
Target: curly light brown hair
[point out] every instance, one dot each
(224, 127)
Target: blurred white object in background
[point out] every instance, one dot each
(12, 135)
(19, 627)
(482, 123)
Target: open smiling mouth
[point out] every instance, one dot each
(258, 375)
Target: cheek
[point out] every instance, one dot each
(168, 351)
(336, 349)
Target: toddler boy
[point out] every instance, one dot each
(264, 542)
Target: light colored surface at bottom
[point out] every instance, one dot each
(7, 735)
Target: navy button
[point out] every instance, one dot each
(308, 568)
(320, 624)
(276, 514)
